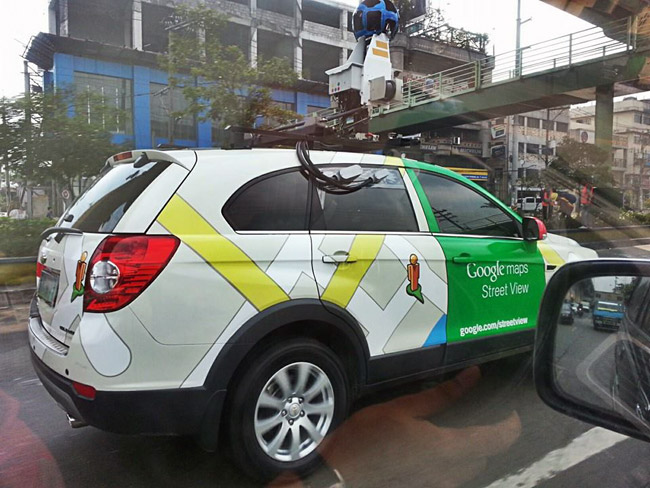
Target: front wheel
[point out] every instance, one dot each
(285, 403)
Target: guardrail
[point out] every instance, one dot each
(621, 36)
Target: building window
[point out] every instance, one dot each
(164, 101)
(638, 118)
(521, 147)
(278, 6)
(532, 122)
(116, 92)
(237, 35)
(547, 124)
(154, 36)
(318, 58)
(272, 45)
(532, 148)
(313, 108)
(105, 21)
(350, 22)
(562, 127)
(499, 121)
(321, 13)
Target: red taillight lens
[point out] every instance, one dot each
(39, 269)
(85, 391)
(127, 265)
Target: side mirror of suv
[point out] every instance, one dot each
(596, 367)
(534, 229)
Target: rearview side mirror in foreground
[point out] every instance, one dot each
(592, 346)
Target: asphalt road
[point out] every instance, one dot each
(495, 431)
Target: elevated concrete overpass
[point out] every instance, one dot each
(598, 63)
(602, 12)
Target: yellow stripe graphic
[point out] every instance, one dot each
(379, 52)
(550, 255)
(224, 256)
(381, 44)
(347, 276)
(393, 161)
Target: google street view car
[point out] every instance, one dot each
(253, 295)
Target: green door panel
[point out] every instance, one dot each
(495, 285)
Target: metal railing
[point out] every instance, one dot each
(621, 36)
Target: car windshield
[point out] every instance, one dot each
(317, 253)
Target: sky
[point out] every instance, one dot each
(19, 20)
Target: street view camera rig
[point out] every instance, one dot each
(365, 81)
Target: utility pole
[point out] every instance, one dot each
(28, 135)
(518, 63)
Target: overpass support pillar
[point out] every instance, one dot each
(605, 118)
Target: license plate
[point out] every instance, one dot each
(48, 287)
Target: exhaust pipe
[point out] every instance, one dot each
(74, 423)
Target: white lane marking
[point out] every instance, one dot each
(644, 247)
(579, 449)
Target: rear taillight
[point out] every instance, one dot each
(122, 267)
(39, 269)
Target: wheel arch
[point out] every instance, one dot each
(327, 323)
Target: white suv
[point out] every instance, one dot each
(262, 291)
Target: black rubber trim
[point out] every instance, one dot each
(458, 352)
(405, 364)
(547, 324)
(275, 318)
(175, 411)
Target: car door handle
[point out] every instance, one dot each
(338, 257)
(463, 258)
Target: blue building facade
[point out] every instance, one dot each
(132, 86)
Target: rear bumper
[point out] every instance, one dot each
(600, 325)
(179, 411)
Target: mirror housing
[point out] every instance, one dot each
(534, 229)
(548, 371)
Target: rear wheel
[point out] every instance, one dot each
(283, 406)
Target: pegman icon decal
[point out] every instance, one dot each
(78, 288)
(414, 288)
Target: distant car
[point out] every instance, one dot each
(607, 316)
(585, 306)
(3, 214)
(566, 313)
(529, 204)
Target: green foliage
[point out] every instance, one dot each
(68, 135)
(578, 163)
(228, 89)
(21, 237)
(637, 218)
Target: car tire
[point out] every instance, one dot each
(295, 388)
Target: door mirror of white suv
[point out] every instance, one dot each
(534, 229)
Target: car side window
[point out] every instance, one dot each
(461, 210)
(273, 202)
(382, 207)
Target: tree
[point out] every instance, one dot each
(67, 136)
(217, 80)
(578, 163)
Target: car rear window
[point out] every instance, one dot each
(101, 207)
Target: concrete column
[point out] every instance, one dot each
(605, 118)
(252, 53)
(297, 48)
(64, 31)
(253, 47)
(297, 56)
(343, 22)
(136, 18)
